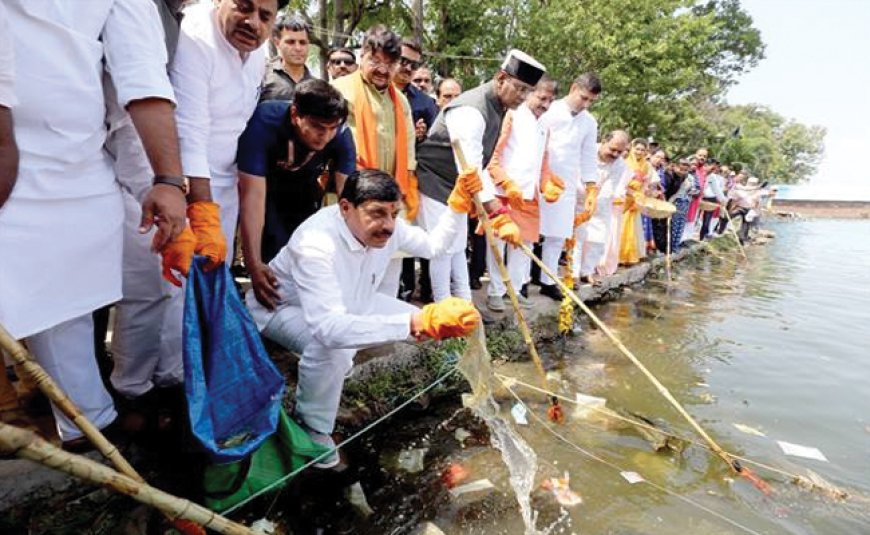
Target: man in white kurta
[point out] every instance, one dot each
(61, 229)
(571, 153)
(518, 171)
(329, 274)
(216, 74)
(592, 235)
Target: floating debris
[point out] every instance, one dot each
(806, 452)
(749, 430)
(265, 526)
(357, 497)
(411, 459)
(460, 435)
(632, 477)
(453, 475)
(815, 482)
(561, 489)
(518, 411)
(474, 486)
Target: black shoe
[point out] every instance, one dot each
(475, 284)
(524, 291)
(113, 433)
(552, 291)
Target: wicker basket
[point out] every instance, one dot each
(656, 208)
(708, 206)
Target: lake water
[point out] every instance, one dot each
(780, 344)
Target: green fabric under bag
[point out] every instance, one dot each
(287, 450)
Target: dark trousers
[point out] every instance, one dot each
(705, 220)
(408, 280)
(477, 256)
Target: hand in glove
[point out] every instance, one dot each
(205, 222)
(461, 199)
(591, 203)
(506, 229)
(553, 189)
(581, 218)
(513, 193)
(449, 318)
(177, 255)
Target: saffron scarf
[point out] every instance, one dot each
(365, 135)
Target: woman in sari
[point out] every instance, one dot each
(632, 246)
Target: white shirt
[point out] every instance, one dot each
(7, 72)
(468, 126)
(333, 277)
(572, 149)
(714, 187)
(60, 127)
(610, 177)
(217, 92)
(523, 152)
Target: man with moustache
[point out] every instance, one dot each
(340, 62)
(474, 119)
(329, 305)
(382, 126)
(520, 174)
(290, 36)
(446, 91)
(571, 153)
(422, 78)
(282, 155)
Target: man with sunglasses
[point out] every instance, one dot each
(379, 117)
(474, 118)
(340, 62)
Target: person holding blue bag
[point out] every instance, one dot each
(329, 273)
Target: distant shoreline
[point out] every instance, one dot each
(823, 209)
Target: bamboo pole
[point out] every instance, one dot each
(734, 232)
(55, 393)
(512, 294)
(27, 445)
(732, 463)
(668, 250)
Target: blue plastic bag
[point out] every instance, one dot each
(234, 391)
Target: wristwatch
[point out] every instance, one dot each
(180, 182)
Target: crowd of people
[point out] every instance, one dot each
(135, 134)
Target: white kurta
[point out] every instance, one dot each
(330, 305)
(7, 63)
(60, 231)
(572, 156)
(523, 153)
(611, 177)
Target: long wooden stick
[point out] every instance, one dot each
(512, 294)
(625, 351)
(734, 232)
(27, 445)
(668, 250)
(55, 393)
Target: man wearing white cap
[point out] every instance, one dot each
(572, 155)
(474, 119)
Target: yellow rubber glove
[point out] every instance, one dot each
(591, 202)
(506, 229)
(449, 318)
(205, 222)
(553, 189)
(581, 218)
(461, 199)
(513, 193)
(177, 255)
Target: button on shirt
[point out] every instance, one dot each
(217, 91)
(278, 84)
(333, 277)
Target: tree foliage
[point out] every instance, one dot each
(665, 64)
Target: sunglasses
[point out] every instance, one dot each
(342, 61)
(405, 62)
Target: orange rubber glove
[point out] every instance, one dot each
(205, 221)
(553, 189)
(513, 193)
(468, 184)
(506, 229)
(449, 318)
(581, 218)
(591, 202)
(177, 255)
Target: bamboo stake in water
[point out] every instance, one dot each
(668, 250)
(734, 232)
(732, 463)
(27, 445)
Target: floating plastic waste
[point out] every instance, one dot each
(561, 489)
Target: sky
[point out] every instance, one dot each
(817, 70)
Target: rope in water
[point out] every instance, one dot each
(619, 469)
(506, 380)
(280, 482)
